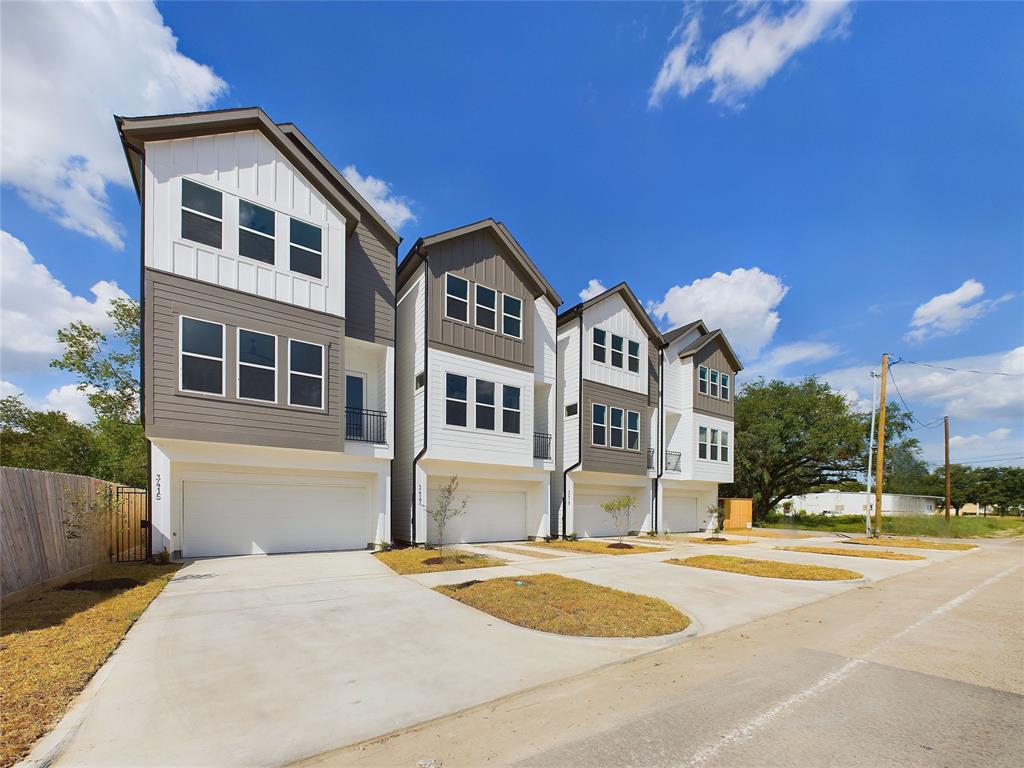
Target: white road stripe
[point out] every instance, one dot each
(833, 678)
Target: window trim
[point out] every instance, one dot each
(723, 446)
(702, 442)
(714, 438)
(447, 296)
(505, 314)
(637, 431)
(239, 364)
(518, 411)
(630, 357)
(272, 238)
(222, 359)
(702, 380)
(713, 384)
(493, 405)
(476, 306)
(183, 207)
(594, 423)
(447, 424)
(594, 345)
(322, 376)
(304, 248)
(612, 427)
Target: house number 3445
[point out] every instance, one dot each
(157, 483)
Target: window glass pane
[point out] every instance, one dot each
(306, 390)
(201, 375)
(200, 229)
(511, 323)
(616, 417)
(455, 386)
(354, 392)
(617, 342)
(486, 303)
(633, 440)
(457, 309)
(634, 356)
(512, 306)
(600, 336)
(306, 235)
(600, 351)
(307, 358)
(485, 392)
(485, 297)
(725, 386)
(455, 413)
(714, 452)
(599, 438)
(510, 422)
(599, 414)
(484, 416)
(511, 326)
(255, 246)
(458, 287)
(421, 379)
(201, 337)
(634, 348)
(485, 318)
(616, 437)
(572, 409)
(256, 383)
(256, 217)
(256, 348)
(305, 263)
(510, 397)
(633, 420)
(200, 198)
(725, 453)
(617, 351)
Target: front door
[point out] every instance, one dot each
(355, 407)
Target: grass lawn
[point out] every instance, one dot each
(918, 525)
(767, 534)
(564, 606)
(523, 552)
(903, 543)
(596, 547)
(51, 646)
(768, 568)
(714, 540)
(417, 560)
(854, 553)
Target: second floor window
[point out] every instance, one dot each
(634, 356)
(599, 434)
(712, 444)
(617, 342)
(257, 366)
(202, 214)
(484, 404)
(306, 249)
(633, 430)
(616, 433)
(510, 410)
(201, 365)
(600, 345)
(456, 298)
(486, 307)
(455, 400)
(255, 232)
(305, 374)
(512, 316)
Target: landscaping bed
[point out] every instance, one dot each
(564, 606)
(596, 547)
(903, 543)
(714, 540)
(417, 560)
(854, 553)
(51, 646)
(773, 569)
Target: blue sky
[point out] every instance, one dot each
(825, 182)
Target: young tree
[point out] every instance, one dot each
(620, 509)
(46, 440)
(445, 510)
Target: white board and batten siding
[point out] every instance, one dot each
(544, 339)
(241, 165)
(569, 386)
(614, 316)
(409, 350)
(705, 469)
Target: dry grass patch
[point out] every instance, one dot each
(773, 569)
(565, 606)
(854, 553)
(416, 560)
(714, 540)
(597, 547)
(50, 647)
(767, 534)
(905, 543)
(523, 552)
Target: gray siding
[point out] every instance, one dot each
(617, 460)
(712, 357)
(369, 286)
(479, 258)
(653, 372)
(171, 413)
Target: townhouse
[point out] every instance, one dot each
(268, 339)
(476, 365)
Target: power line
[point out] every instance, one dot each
(975, 461)
(929, 425)
(959, 370)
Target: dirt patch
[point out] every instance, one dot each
(102, 585)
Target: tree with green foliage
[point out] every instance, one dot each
(46, 440)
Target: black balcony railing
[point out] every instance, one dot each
(366, 426)
(673, 461)
(650, 458)
(541, 445)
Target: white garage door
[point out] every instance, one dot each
(589, 519)
(489, 516)
(260, 516)
(679, 514)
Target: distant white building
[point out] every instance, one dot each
(857, 503)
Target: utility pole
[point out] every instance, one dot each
(945, 421)
(871, 451)
(880, 468)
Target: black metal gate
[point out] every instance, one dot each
(131, 526)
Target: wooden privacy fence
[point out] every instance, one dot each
(55, 527)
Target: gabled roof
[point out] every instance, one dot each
(136, 131)
(706, 339)
(415, 255)
(631, 300)
(669, 336)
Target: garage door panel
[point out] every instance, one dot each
(489, 516)
(245, 518)
(680, 514)
(590, 519)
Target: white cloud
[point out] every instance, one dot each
(594, 288)
(67, 69)
(950, 313)
(35, 305)
(741, 60)
(67, 398)
(742, 303)
(377, 192)
(778, 359)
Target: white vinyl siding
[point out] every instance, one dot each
(614, 317)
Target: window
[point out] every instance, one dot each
(725, 386)
(201, 214)
(202, 356)
(512, 316)
(702, 379)
(617, 435)
(571, 409)
(257, 366)
(305, 374)
(486, 308)
(599, 436)
(255, 232)
(306, 254)
(724, 439)
(713, 444)
(455, 400)
(714, 383)
(633, 348)
(600, 345)
(484, 404)
(633, 430)
(510, 413)
(421, 379)
(617, 351)
(702, 443)
(456, 301)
